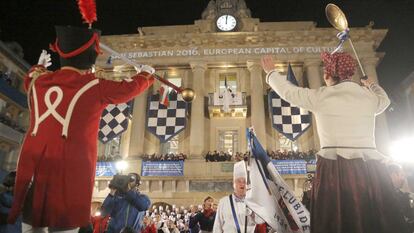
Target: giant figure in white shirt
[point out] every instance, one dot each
(352, 191)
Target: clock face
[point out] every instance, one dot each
(226, 23)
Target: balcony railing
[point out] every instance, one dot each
(213, 101)
(238, 106)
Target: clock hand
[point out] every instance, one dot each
(226, 18)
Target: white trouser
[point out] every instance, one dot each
(26, 228)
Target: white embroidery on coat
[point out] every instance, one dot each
(51, 107)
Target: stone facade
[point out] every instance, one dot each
(199, 54)
(14, 117)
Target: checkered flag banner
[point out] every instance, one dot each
(114, 121)
(166, 122)
(289, 120)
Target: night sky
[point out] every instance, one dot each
(30, 22)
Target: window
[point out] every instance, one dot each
(231, 79)
(228, 141)
(171, 146)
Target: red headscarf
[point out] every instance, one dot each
(340, 65)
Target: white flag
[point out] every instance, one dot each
(270, 197)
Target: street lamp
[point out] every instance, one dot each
(121, 165)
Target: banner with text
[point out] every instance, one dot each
(290, 167)
(105, 169)
(162, 168)
(196, 52)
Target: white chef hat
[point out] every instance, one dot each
(239, 170)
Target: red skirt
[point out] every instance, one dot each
(354, 196)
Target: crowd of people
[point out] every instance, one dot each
(292, 155)
(221, 156)
(164, 157)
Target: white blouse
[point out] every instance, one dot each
(344, 113)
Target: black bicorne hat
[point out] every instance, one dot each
(77, 47)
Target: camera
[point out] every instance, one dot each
(120, 182)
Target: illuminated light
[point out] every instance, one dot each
(402, 150)
(121, 165)
(173, 72)
(98, 213)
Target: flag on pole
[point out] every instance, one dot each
(289, 120)
(164, 95)
(270, 197)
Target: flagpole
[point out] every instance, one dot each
(248, 179)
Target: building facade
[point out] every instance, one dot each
(224, 47)
(14, 117)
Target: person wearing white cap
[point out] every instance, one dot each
(232, 213)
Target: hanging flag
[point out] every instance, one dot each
(289, 120)
(114, 121)
(166, 121)
(164, 95)
(269, 196)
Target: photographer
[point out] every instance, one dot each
(124, 204)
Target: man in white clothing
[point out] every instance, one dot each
(232, 211)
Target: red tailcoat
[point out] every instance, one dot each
(60, 149)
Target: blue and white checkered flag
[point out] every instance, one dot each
(114, 121)
(289, 120)
(166, 122)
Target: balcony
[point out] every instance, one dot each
(238, 108)
(10, 133)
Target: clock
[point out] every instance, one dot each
(226, 23)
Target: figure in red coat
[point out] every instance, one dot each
(56, 168)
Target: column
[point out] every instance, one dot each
(197, 129)
(173, 186)
(136, 144)
(125, 141)
(382, 136)
(257, 101)
(313, 72)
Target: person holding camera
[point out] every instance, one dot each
(125, 204)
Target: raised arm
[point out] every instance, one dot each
(382, 97)
(302, 97)
(113, 92)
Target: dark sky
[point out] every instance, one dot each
(30, 22)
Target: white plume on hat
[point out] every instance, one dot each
(239, 170)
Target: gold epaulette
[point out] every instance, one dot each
(38, 71)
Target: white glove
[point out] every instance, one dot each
(44, 59)
(145, 68)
